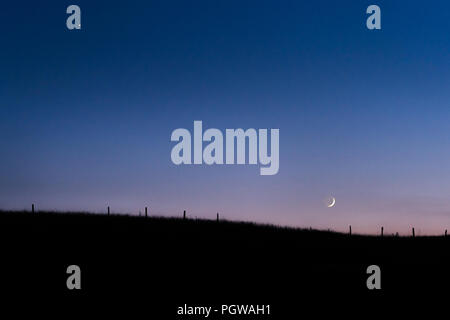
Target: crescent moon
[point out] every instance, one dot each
(333, 202)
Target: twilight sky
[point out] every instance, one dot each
(86, 116)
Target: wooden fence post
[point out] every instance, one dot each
(32, 208)
(184, 214)
(108, 211)
(350, 230)
(146, 212)
(413, 233)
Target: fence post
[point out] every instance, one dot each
(445, 232)
(32, 208)
(184, 214)
(382, 229)
(413, 233)
(146, 212)
(108, 211)
(217, 217)
(350, 230)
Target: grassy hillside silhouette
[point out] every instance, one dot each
(171, 261)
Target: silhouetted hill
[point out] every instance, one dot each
(166, 262)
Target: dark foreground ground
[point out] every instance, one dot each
(151, 266)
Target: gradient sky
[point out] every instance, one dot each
(86, 116)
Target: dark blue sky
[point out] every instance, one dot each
(86, 115)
